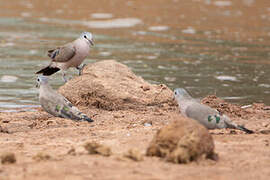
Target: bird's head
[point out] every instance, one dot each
(88, 36)
(180, 94)
(41, 80)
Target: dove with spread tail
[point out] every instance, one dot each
(69, 55)
(207, 116)
(56, 104)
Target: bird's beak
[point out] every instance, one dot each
(91, 42)
(37, 85)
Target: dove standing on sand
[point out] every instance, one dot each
(209, 117)
(69, 55)
(56, 104)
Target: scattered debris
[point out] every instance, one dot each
(72, 151)
(265, 131)
(3, 130)
(95, 148)
(42, 157)
(147, 123)
(134, 154)
(8, 158)
(5, 121)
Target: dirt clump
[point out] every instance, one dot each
(110, 85)
(8, 158)
(182, 141)
(3, 129)
(96, 148)
(134, 154)
(42, 157)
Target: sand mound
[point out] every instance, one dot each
(110, 85)
(182, 141)
(224, 107)
(235, 110)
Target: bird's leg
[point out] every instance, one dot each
(80, 68)
(64, 76)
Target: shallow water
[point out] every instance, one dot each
(199, 60)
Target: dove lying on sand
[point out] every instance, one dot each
(209, 117)
(69, 55)
(56, 104)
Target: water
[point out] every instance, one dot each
(203, 61)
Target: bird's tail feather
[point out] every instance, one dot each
(245, 129)
(85, 118)
(74, 114)
(47, 71)
(233, 125)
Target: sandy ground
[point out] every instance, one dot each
(241, 156)
(47, 147)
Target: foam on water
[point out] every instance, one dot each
(222, 3)
(113, 23)
(158, 28)
(189, 30)
(8, 79)
(101, 15)
(226, 78)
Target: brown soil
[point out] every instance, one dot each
(35, 136)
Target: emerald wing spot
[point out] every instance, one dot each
(57, 108)
(209, 118)
(217, 119)
(65, 108)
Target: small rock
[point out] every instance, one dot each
(95, 148)
(3, 130)
(6, 121)
(145, 87)
(147, 123)
(266, 142)
(8, 158)
(42, 157)
(32, 125)
(265, 131)
(134, 154)
(72, 151)
(266, 108)
(50, 122)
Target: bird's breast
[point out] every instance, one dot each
(82, 51)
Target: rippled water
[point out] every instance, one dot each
(234, 70)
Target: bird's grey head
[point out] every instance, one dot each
(88, 36)
(180, 94)
(42, 80)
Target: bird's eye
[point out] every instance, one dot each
(85, 36)
(37, 79)
(175, 93)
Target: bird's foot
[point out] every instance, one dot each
(65, 79)
(80, 69)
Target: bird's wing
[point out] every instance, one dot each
(57, 105)
(63, 53)
(205, 115)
